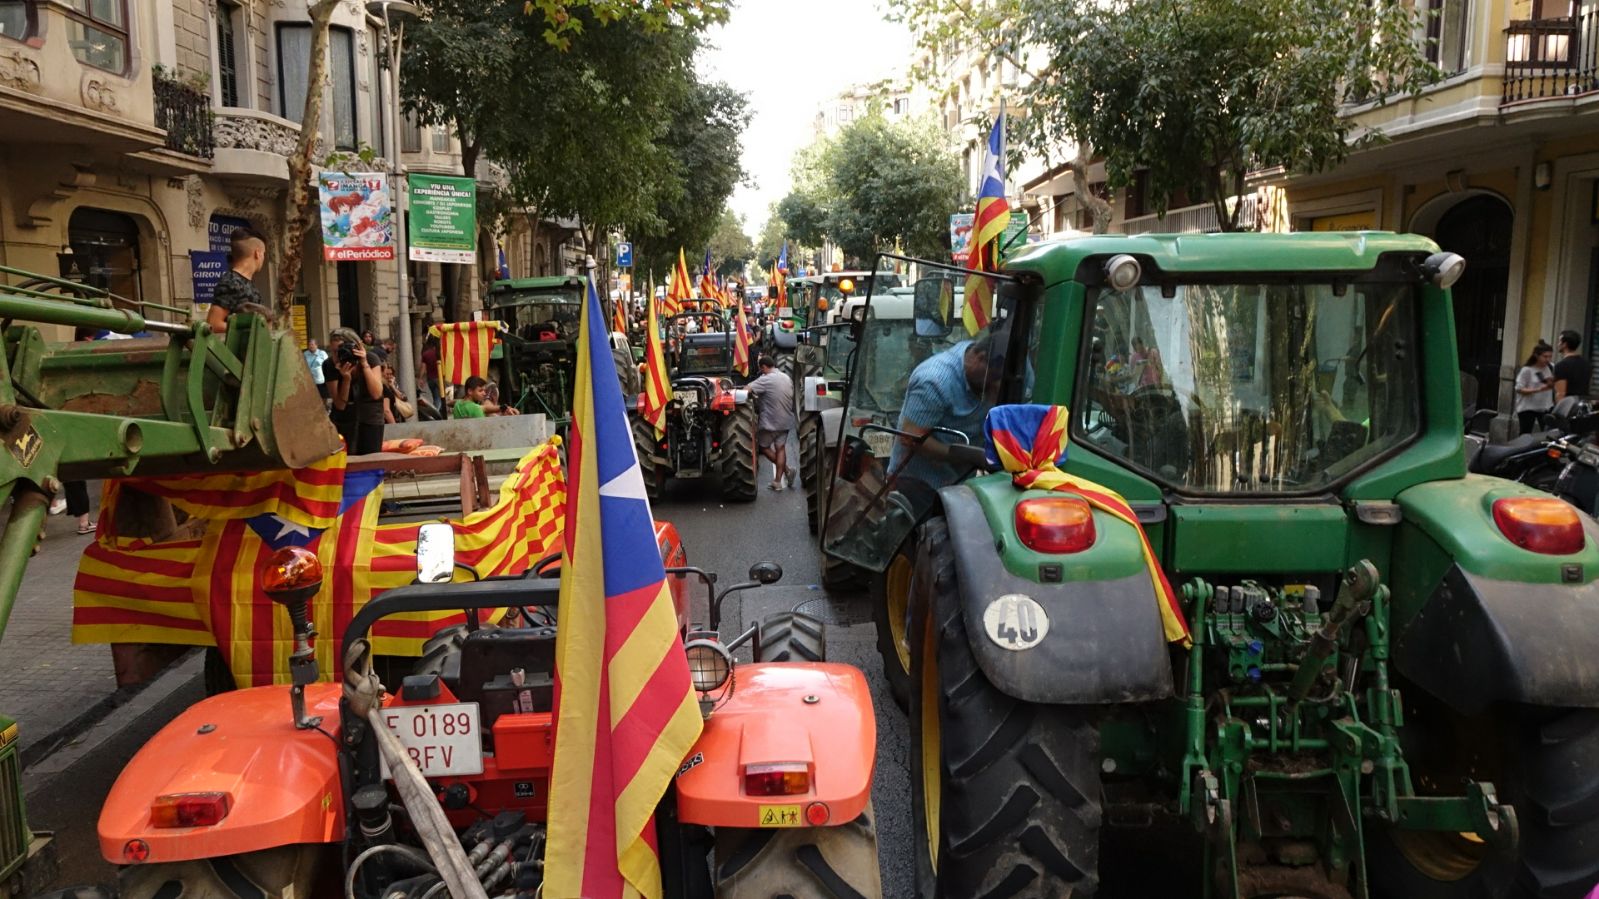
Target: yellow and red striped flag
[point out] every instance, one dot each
(741, 341)
(625, 708)
(619, 315)
(680, 289)
(657, 383)
(993, 216)
(464, 349)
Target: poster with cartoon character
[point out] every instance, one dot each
(357, 223)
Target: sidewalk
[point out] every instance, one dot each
(48, 682)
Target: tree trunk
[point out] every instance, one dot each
(302, 210)
(1097, 207)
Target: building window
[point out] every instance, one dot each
(228, 66)
(902, 106)
(1446, 34)
(410, 135)
(294, 62)
(441, 139)
(97, 31)
(17, 19)
(341, 51)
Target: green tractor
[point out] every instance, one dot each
(1391, 688)
(536, 358)
(175, 398)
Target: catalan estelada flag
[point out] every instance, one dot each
(464, 349)
(203, 589)
(741, 341)
(680, 289)
(309, 497)
(657, 382)
(993, 215)
(708, 280)
(1029, 441)
(625, 709)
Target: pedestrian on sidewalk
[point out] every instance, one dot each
(1572, 373)
(315, 358)
(359, 395)
(1535, 387)
(246, 255)
(773, 394)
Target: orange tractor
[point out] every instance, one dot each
(297, 790)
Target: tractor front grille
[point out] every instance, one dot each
(14, 835)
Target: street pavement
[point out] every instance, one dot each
(51, 684)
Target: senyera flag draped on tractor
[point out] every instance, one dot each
(203, 588)
(465, 348)
(625, 709)
(993, 217)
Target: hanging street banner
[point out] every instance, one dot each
(960, 235)
(357, 223)
(441, 224)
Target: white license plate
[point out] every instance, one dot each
(686, 397)
(881, 443)
(442, 739)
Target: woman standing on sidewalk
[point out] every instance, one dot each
(1535, 387)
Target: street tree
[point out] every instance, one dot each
(877, 186)
(302, 212)
(1190, 97)
(731, 248)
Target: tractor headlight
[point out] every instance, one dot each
(1444, 269)
(709, 664)
(1123, 272)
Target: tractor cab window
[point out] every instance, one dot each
(541, 317)
(703, 357)
(1251, 388)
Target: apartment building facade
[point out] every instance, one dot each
(137, 132)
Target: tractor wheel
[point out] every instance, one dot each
(1545, 763)
(792, 637)
(649, 465)
(738, 458)
(283, 871)
(813, 452)
(844, 576)
(838, 862)
(1005, 794)
(626, 372)
(893, 593)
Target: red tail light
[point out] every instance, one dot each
(722, 402)
(1055, 524)
(781, 779)
(1540, 524)
(190, 809)
(817, 814)
(821, 388)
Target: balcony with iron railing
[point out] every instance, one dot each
(184, 113)
(1199, 218)
(1554, 57)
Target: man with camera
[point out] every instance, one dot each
(357, 392)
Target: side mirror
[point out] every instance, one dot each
(435, 553)
(766, 572)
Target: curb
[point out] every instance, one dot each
(101, 722)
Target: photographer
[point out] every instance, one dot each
(1535, 387)
(358, 393)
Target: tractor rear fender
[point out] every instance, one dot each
(816, 715)
(1102, 640)
(282, 783)
(1480, 620)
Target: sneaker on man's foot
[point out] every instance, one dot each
(58, 505)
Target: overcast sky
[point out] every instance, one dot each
(788, 56)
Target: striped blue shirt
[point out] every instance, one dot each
(938, 396)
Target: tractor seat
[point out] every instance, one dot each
(1494, 454)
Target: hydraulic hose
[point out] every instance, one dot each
(393, 848)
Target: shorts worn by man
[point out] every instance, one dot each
(952, 389)
(773, 394)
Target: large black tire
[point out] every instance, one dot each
(812, 452)
(843, 576)
(894, 593)
(1018, 801)
(626, 371)
(838, 862)
(738, 454)
(1545, 763)
(792, 637)
(283, 871)
(649, 464)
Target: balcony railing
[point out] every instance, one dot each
(184, 113)
(1550, 58)
(1189, 220)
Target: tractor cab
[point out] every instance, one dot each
(536, 357)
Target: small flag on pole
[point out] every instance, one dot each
(993, 216)
(657, 384)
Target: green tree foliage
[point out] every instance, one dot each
(731, 248)
(1196, 95)
(877, 186)
(563, 20)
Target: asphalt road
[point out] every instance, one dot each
(724, 538)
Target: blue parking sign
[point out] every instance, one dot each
(624, 254)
